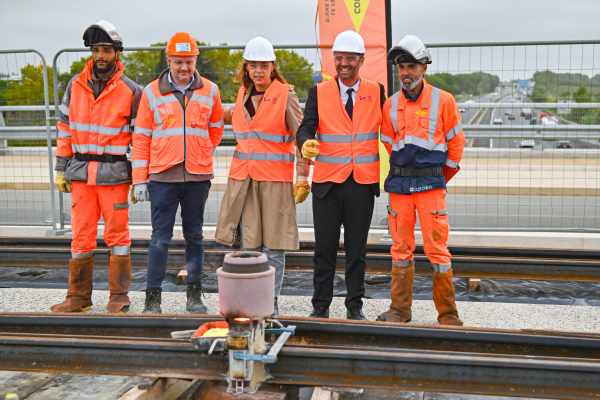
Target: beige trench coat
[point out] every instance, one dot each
(266, 209)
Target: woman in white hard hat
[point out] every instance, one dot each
(260, 189)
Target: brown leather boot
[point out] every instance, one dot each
(401, 292)
(79, 295)
(119, 279)
(443, 297)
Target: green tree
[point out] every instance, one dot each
(296, 70)
(31, 89)
(581, 95)
(65, 77)
(143, 66)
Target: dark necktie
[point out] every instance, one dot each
(349, 104)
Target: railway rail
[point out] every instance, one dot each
(469, 262)
(528, 363)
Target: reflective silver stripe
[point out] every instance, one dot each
(403, 263)
(64, 109)
(139, 163)
(119, 250)
(213, 92)
(202, 99)
(240, 135)
(387, 139)
(132, 123)
(398, 145)
(86, 148)
(453, 132)
(98, 128)
(240, 156)
(366, 159)
(83, 255)
(170, 98)
(452, 164)
(142, 131)
(333, 159)
(152, 104)
(64, 134)
(394, 111)
(270, 137)
(433, 111)
(417, 141)
(196, 132)
(216, 124)
(161, 133)
(363, 137)
(441, 268)
(325, 138)
(272, 157)
(126, 128)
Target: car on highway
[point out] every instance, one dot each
(462, 110)
(511, 116)
(533, 121)
(563, 144)
(527, 143)
(506, 111)
(498, 121)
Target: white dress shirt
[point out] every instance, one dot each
(344, 89)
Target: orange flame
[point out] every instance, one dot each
(243, 319)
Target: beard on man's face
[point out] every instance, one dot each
(110, 65)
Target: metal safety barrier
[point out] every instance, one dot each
(516, 174)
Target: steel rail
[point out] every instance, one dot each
(326, 361)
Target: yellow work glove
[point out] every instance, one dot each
(302, 190)
(309, 149)
(62, 183)
(133, 199)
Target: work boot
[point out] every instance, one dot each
(443, 297)
(319, 312)
(194, 303)
(356, 314)
(119, 279)
(276, 310)
(79, 295)
(152, 304)
(401, 291)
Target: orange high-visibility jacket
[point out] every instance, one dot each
(348, 145)
(422, 134)
(97, 126)
(265, 148)
(166, 134)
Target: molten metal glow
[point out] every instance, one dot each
(243, 319)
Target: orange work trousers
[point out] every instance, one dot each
(431, 207)
(87, 204)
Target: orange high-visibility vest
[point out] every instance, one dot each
(96, 126)
(348, 145)
(265, 147)
(176, 134)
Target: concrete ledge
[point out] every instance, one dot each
(508, 239)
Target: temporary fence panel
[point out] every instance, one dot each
(26, 176)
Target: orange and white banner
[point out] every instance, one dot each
(367, 17)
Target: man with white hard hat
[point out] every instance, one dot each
(422, 132)
(96, 117)
(260, 189)
(343, 117)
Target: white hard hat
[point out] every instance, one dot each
(349, 41)
(259, 49)
(409, 49)
(102, 32)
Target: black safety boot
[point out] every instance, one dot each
(276, 310)
(356, 313)
(194, 303)
(319, 312)
(152, 304)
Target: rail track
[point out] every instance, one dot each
(527, 363)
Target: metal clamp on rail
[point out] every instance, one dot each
(271, 356)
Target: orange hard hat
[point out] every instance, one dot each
(182, 44)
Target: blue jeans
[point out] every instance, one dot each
(165, 198)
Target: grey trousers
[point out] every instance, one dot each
(276, 260)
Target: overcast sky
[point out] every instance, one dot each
(49, 26)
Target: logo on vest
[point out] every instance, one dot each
(112, 109)
(172, 120)
(420, 112)
(272, 101)
(365, 98)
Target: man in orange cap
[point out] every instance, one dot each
(179, 125)
(94, 133)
